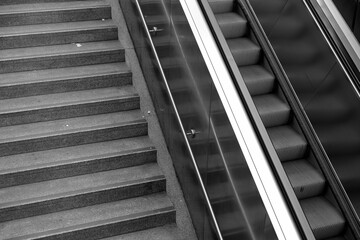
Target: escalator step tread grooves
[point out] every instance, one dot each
(324, 219)
(257, 79)
(305, 179)
(292, 148)
(232, 25)
(273, 111)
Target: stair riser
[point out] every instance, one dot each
(234, 30)
(292, 153)
(68, 85)
(58, 16)
(83, 200)
(35, 40)
(62, 61)
(78, 168)
(276, 119)
(72, 139)
(246, 58)
(103, 230)
(80, 110)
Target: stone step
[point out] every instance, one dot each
(95, 222)
(57, 33)
(73, 161)
(52, 12)
(67, 105)
(71, 132)
(79, 191)
(30, 83)
(60, 56)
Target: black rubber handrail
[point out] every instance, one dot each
(330, 34)
(299, 113)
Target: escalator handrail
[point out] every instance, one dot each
(342, 30)
(345, 59)
(183, 132)
(276, 205)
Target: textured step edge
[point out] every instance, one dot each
(65, 84)
(70, 110)
(75, 167)
(167, 232)
(76, 137)
(62, 60)
(111, 227)
(82, 198)
(58, 37)
(50, 13)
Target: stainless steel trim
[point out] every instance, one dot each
(218, 233)
(264, 178)
(342, 29)
(332, 48)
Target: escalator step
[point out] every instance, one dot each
(232, 25)
(221, 6)
(305, 179)
(273, 111)
(288, 143)
(257, 79)
(324, 219)
(245, 52)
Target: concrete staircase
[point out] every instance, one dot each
(75, 158)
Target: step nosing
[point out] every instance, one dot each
(65, 78)
(129, 217)
(129, 97)
(64, 53)
(73, 131)
(63, 30)
(66, 163)
(91, 190)
(54, 9)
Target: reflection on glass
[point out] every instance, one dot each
(237, 205)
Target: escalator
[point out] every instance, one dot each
(310, 185)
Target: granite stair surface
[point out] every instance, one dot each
(76, 161)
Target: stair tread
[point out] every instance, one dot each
(324, 219)
(167, 232)
(245, 51)
(288, 143)
(34, 130)
(258, 80)
(92, 215)
(16, 105)
(221, 6)
(55, 27)
(59, 188)
(304, 178)
(272, 110)
(27, 77)
(45, 7)
(65, 49)
(59, 156)
(231, 24)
